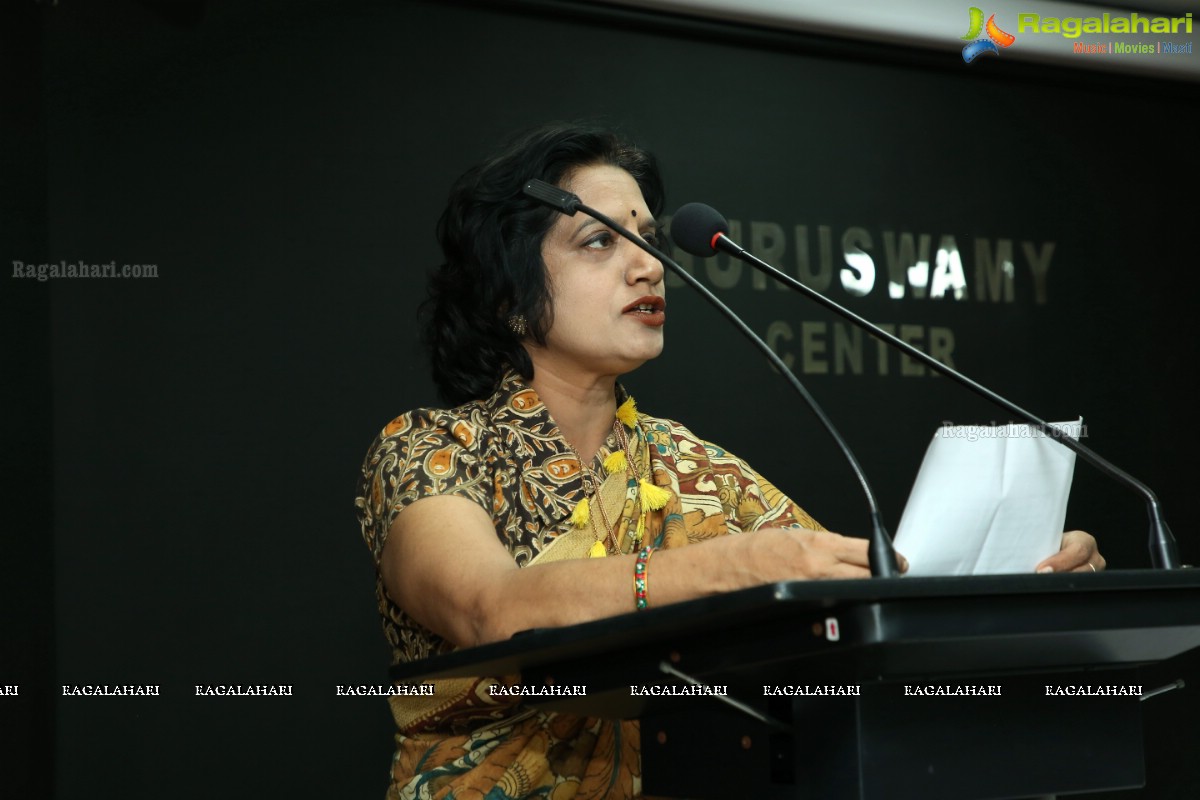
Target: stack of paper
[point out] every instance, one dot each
(987, 499)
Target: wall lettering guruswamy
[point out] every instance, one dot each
(858, 261)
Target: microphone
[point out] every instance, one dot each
(881, 555)
(698, 229)
(551, 195)
(702, 231)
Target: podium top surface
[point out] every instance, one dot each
(874, 612)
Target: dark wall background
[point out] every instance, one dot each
(26, 419)
(189, 444)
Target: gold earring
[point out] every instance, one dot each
(517, 324)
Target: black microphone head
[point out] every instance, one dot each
(551, 195)
(695, 226)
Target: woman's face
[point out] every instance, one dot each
(606, 293)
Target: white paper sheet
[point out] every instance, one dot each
(987, 500)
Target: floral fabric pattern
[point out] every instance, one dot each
(506, 454)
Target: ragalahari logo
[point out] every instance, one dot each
(979, 46)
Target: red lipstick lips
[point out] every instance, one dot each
(649, 310)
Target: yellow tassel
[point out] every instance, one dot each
(641, 529)
(598, 551)
(581, 514)
(652, 497)
(627, 413)
(615, 463)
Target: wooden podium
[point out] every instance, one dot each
(1006, 686)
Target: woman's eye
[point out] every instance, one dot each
(599, 241)
(650, 237)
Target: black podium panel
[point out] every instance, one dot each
(886, 745)
(1018, 632)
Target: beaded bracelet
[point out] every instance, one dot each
(639, 578)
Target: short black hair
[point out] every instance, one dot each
(491, 236)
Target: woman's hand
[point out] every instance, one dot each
(781, 554)
(1078, 553)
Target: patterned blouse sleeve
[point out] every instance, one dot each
(419, 454)
(756, 502)
(780, 510)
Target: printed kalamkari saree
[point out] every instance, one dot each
(506, 454)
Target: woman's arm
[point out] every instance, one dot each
(443, 564)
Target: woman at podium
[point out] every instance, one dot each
(541, 495)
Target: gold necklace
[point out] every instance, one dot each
(648, 497)
(607, 545)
